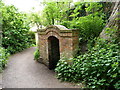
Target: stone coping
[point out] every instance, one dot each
(60, 28)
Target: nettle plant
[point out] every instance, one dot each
(98, 68)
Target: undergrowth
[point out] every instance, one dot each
(3, 58)
(99, 68)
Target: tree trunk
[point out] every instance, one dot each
(113, 21)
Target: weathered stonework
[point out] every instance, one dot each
(66, 38)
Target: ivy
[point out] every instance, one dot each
(99, 68)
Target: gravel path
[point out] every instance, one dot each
(23, 72)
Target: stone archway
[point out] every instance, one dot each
(53, 51)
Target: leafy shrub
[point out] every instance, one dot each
(37, 55)
(3, 58)
(64, 70)
(15, 29)
(99, 68)
(31, 37)
(90, 26)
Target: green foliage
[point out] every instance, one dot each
(90, 26)
(3, 58)
(64, 70)
(15, 29)
(37, 54)
(31, 38)
(88, 18)
(35, 20)
(79, 10)
(86, 8)
(93, 7)
(99, 68)
(55, 12)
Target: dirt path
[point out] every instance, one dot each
(23, 72)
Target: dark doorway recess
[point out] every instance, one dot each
(53, 50)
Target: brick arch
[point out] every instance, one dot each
(52, 33)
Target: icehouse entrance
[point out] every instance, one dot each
(56, 41)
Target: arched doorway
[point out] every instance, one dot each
(53, 51)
